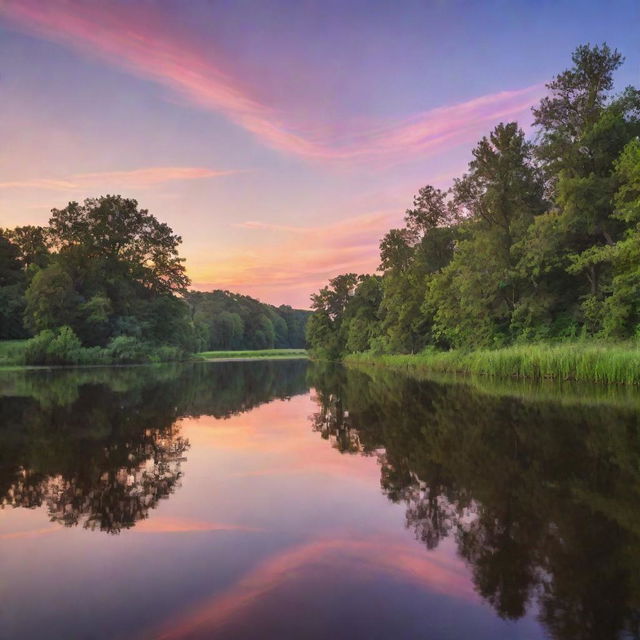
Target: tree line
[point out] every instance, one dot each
(104, 282)
(227, 320)
(538, 240)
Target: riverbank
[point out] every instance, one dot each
(12, 356)
(260, 354)
(579, 361)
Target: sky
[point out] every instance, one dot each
(280, 138)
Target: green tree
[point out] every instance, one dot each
(329, 305)
(33, 243)
(114, 231)
(574, 104)
(409, 259)
(51, 299)
(11, 290)
(474, 297)
(361, 326)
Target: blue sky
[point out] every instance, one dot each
(280, 139)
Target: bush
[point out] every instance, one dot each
(62, 346)
(128, 350)
(58, 346)
(167, 353)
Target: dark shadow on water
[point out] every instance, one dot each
(101, 447)
(542, 497)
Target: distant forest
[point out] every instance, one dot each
(226, 320)
(104, 283)
(539, 240)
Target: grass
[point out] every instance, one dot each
(580, 361)
(11, 352)
(246, 355)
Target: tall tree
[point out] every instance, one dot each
(112, 229)
(577, 97)
(475, 296)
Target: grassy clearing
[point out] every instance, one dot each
(589, 362)
(246, 355)
(11, 352)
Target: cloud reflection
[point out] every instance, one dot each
(435, 574)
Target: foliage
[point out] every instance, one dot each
(583, 361)
(63, 347)
(111, 274)
(539, 240)
(231, 321)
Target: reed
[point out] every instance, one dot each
(581, 361)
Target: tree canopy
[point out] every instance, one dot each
(106, 274)
(539, 239)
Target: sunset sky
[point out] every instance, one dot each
(281, 139)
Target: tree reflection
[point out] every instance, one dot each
(101, 447)
(540, 495)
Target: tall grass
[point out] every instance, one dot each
(582, 361)
(12, 352)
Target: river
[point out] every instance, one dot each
(287, 499)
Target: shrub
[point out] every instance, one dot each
(58, 346)
(128, 350)
(167, 353)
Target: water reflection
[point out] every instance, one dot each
(101, 447)
(540, 493)
(523, 501)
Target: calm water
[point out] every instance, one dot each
(285, 500)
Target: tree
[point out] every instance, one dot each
(112, 230)
(621, 309)
(409, 258)
(361, 326)
(33, 243)
(10, 263)
(228, 320)
(51, 299)
(474, 297)
(577, 97)
(324, 333)
(11, 290)
(583, 130)
(106, 268)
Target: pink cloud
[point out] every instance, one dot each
(142, 42)
(145, 177)
(316, 253)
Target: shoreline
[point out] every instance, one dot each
(242, 356)
(615, 364)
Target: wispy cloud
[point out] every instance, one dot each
(298, 259)
(146, 177)
(141, 42)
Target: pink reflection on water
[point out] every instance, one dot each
(186, 525)
(361, 558)
(276, 440)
